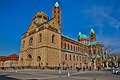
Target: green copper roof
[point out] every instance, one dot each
(92, 30)
(56, 4)
(82, 35)
(74, 52)
(95, 56)
(72, 39)
(89, 43)
(92, 43)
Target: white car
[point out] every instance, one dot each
(116, 71)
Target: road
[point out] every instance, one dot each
(38, 74)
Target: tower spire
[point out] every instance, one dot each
(56, 13)
(56, 4)
(92, 30)
(92, 35)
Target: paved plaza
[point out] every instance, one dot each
(38, 74)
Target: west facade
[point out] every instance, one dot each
(44, 45)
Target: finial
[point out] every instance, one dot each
(79, 33)
(56, 4)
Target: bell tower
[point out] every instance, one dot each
(92, 35)
(56, 13)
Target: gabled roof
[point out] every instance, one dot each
(10, 57)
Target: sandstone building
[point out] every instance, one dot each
(44, 45)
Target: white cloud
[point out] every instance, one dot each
(100, 15)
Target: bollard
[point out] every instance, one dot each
(68, 74)
(59, 71)
(16, 71)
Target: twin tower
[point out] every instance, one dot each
(56, 13)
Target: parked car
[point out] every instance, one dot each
(116, 71)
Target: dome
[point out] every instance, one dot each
(40, 14)
(82, 35)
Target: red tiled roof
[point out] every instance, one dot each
(13, 55)
(10, 57)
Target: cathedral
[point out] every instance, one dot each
(44, 45)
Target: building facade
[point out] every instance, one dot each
(44, 45)
(9, 61)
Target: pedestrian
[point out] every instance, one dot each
(83, 68)
(90, 68)
(98, 68)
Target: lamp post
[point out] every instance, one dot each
(94, 62)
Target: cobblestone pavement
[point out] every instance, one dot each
(38, 74)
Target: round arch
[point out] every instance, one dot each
(29, 56)
(38, 58)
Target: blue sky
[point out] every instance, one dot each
(77, 16)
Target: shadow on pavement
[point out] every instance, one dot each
(4, 77)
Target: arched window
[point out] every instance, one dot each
(54, 11)
(58, 11)
(21, 59)
(38, 58)
(65, 45)
(53, 38)
(74, 57)
(39, 16)
(70, 57)
(45, 17)
(74, 48)
(58, 22)
(94, 52)
(58, 17)
(68, 46)
(71, 47)
(23, 44)
(40, 38)
(29, 56)
(80, 58)
(31, 42)
(78, 49)
(77, 58)
(65, 56)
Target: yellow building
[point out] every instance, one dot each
(43, 45)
